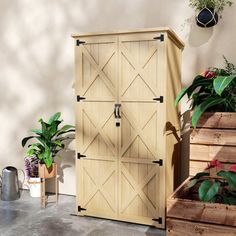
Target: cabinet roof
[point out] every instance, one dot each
(169, 31)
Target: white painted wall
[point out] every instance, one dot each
(36, 57)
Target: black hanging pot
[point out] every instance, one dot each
(207, 17)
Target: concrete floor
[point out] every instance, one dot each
(25, 217)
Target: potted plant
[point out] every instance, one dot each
(214, 91)
(48, 142)
(32, 175)
(205, 204)
(213, 105)
(208, 10)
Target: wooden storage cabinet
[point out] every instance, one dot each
(127, 137)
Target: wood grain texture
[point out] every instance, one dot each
(200, 166)
(225, 154)
(222, 120)
(118, 179)
(182, 227)
(179, 207)
(139, 58)
(171, 34)
(213, 137)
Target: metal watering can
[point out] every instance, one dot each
(10, 190)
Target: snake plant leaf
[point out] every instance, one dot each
(221, 82)
(55, 117)
(64, 132)
(230, 177)
(197, 112)
(207, 190)
(180, 95)
(26, 139)
(37, 131)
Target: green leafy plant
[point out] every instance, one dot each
(214, 90)
(48, 140)
(220, 188)
(217, 5)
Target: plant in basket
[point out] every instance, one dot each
(208, 10)
(219, 187)
(212, 91)
(32, 175)
(48, 142)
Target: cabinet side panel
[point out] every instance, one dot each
(173, 140)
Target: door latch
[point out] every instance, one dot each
(117, 111)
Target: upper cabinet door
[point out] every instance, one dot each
(96, 82)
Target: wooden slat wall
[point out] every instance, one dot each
(186, 228)
(214, 139)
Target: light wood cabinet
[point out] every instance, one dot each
(127, 127)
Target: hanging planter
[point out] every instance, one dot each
(207, 17)
(209, 11)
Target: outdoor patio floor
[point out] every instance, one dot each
(26, 217)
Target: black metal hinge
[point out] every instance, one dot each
(79, 156)
(160, 162)
(160, 99)
(80, 98)
(159, 220)
(161, 38)
(81, 209)
(78, 42)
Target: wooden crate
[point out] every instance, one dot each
(191, 217)
(214, 138)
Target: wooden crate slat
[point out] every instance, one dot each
(213, 137)
(186, 228)
(214, 213)
(208, 152)
(226, 120)
(199, 166)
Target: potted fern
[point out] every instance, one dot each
(48, 142)
(208, 11)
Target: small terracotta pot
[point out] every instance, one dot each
(47, 173)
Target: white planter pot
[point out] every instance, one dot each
(35, 187)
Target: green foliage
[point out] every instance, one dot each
(215, 90)
(48, 139)
(230, 177)
(218, 5)
(220, 188)
(207, 191)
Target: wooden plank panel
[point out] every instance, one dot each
(213, 136)
(225, 120)
(182, 227)
(179, 207)
(173, 139)
(199, 166)
(96, 80)
(209, 152)
(138, 84)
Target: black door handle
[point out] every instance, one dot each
(119, 105)
(117, 111)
